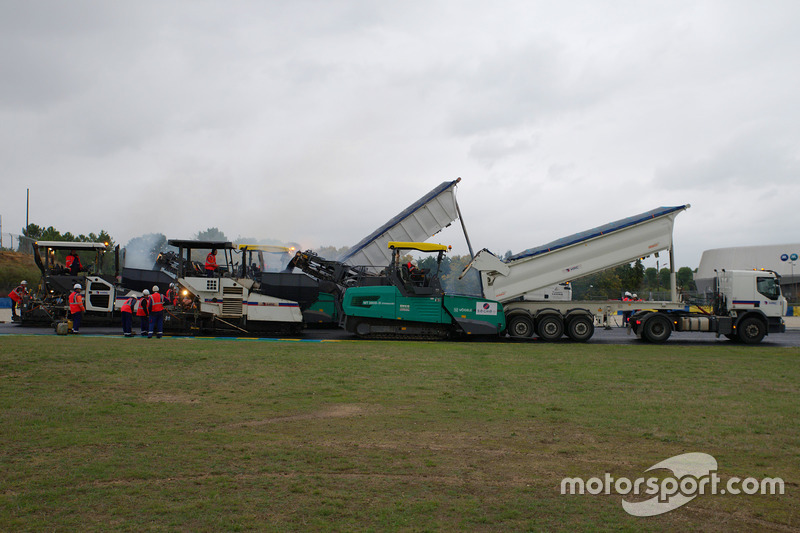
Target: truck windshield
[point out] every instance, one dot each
(768, 287)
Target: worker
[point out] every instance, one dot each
(17, 296)
(172, 294)
(415, 274)
(211, 263)
(127, 316)
(76, 308)
(143, 311)
(156, 314)
(73, 263)
(626, 315)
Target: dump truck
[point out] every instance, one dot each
(747, 306)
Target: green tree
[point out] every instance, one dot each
(651, 278)
(663, 278)
(211, 234)
(685, 277)
(33, 231)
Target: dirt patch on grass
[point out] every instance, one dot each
(167, 397)
(346, 410)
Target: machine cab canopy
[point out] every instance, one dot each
(190, 267)
(419, 246)
(254, 262)
(48, 261)
(269, 248)
(200, 245)
(77, 246)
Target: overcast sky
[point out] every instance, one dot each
(317, 121)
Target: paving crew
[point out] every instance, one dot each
(211, 263)
(143, 311)
(156, 313)
(73, 263)
(17, 295)
(76, 308)
(127, 316)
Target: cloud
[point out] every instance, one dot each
(747, 162)
(317, 121)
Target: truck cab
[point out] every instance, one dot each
(753, 299)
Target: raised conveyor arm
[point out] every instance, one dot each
(576, 256)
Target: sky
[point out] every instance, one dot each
(317, 121)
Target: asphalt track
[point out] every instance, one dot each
(615, 335)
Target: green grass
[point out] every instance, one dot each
(205, 435)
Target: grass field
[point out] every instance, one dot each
(202, 435)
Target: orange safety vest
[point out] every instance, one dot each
(17, 293)
(127, 307)
(75, 302)
(156, 302)
(141, 306)
(211, 261)
(71, 259)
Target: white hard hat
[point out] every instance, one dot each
(146, 292)
(635, 295)
(627, 293)
(23, 282)
(77, 286)
(155, 288)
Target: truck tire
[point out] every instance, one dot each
(580, 328)
(520, 326)
(656, 329)
(751, 330)
(550, 328)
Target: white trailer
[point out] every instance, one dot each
(749, 304)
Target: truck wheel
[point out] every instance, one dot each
(550, 328)
(520, 326)
(580, 329)
(657, 329)
(751, 330)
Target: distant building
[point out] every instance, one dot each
(777, 257)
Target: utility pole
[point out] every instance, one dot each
(27, 208)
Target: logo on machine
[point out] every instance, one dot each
(366, 301)
(486, 308)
